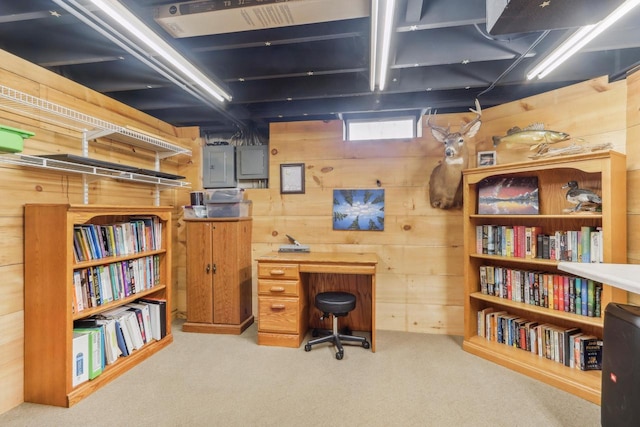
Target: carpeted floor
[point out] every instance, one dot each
(226, 380)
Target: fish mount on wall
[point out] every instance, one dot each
(540, 140)
(535, 136)
(445, 183)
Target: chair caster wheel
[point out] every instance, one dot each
(307, 347)
(365, 344)
(315, 333)
(339, 355)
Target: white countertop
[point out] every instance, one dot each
(623, 276)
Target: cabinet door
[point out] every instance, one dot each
(226, 288)
(199, 272)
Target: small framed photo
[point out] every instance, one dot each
(292, 178)
(486, 158)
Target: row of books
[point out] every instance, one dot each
(555, 291)
(102, 284)
(93, 241)
(101, 340)
(584, 245)
(568, 346)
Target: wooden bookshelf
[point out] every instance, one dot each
(49, 292)
(604, 172)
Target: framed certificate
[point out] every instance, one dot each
(292, 178)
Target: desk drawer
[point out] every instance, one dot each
(278, 271)
(278, 314)
(278, 288)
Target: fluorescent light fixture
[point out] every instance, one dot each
(142, 32)
(373, 48)
(578, 40)
(382, 19)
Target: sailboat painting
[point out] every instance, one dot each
(508, 196)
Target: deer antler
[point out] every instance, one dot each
(440, 129)
(478, 112)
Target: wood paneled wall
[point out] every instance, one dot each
(419, 285)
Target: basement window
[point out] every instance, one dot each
(382, 128)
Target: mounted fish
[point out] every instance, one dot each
(445, 183)
(533, 135)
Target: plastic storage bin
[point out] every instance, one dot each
(224, 195)
(193, 212)
(226, 210)
(12, 139)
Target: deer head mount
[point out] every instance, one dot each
(445, 184)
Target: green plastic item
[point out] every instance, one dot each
(12, 139)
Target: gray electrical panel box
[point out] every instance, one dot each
(218, 166)
(252, 162)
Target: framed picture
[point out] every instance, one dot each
(486, 158)
(361, 210)
(292, 178)
(508, 195)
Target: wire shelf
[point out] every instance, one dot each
(59, 165)
(25, 104)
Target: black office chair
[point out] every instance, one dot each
(336, 304)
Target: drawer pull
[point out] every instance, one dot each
(278, 306)
(277, 272)
(277, 289)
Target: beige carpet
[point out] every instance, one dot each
(224, 380)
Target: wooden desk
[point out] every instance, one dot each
(288, 283)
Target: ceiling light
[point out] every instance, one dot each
(578, 40)
(382, 20)
(143, 33)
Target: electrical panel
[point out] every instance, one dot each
(252, 162)
(218, 166)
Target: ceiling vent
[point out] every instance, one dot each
(521, 16)
(200, 18)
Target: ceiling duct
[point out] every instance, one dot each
(200, 18)
(521, 16)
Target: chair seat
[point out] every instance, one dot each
(337, 303)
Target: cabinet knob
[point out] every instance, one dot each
(208, 269)
(277, 289)
(277, 272)
(277, 306)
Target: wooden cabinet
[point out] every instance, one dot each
(604, 172)
(282, 305)
(218, 275)
(49, 296)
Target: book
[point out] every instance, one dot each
(121, 315)
(158, 313)
(146, 319)
(578, 349)
(482, 316)
(131, 322)
(567, 342)
(111, 347)
(79, 359)
(491, 322)
(592, 354)
(139, 318)
(122, 343)
(96, 350)
(77, 289)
